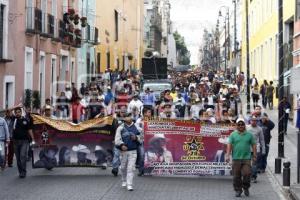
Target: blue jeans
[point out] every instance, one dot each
(265, 158)
(116, 162)
(255, 165)
(140, 157)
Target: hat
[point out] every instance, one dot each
(156, 137)
(108, 87)
(47, 107)
(177, 88)
(81, 148)
(223, 140)
(67, 86)
(98, 148)
(240, 120)
(201, 83)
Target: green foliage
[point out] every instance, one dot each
(36, 101)
(183, 53)
(27, 98)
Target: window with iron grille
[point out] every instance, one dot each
(96, 35)
(88, 33)
(51, 25)
(1, 29)
(38, 19)
(62, 30)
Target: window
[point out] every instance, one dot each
(99, 62)
(9, 91)
(116, 25)
(42, 77)
(44, 15)
(108, 60)
(54, 14)
(53, 85)
(28, 68)
(2, 7)
(30, 15)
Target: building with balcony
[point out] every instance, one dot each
(40, 42)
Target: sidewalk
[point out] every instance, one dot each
(290, 153)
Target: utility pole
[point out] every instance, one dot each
(248, 60)
(281, 91)
(235, 31)
(281, 79)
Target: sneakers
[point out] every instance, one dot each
(129, 188)
(124, 184)
(246, 192)
(238, 194)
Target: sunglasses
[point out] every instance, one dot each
(240, 124)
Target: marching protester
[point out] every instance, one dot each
(260, 145)
(239, 145)
(4, 141)
(285, 108)
(267, 126)
(22, 134)
(127, 139)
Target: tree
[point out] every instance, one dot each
(182, 51)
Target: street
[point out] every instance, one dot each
(97, 184)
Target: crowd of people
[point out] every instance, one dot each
(206, 96)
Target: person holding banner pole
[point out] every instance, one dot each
(147, 114)
(128, 137)
(4, 141)
(22, 133)
(239, 145)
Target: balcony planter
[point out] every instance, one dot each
(83, 21)
(76, 19)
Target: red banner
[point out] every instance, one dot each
(176, 147)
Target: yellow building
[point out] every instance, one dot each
(120, 24)
(263, 36)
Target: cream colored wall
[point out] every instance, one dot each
(130, 30)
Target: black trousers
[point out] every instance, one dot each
(21, 151)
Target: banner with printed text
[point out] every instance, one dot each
(176, 147)
(63, 144)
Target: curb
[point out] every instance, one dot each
(283, 191)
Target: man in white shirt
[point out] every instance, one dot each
(167, 113)
(135, 102)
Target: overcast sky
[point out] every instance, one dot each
(190, 17)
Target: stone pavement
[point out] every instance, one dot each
(97, 184)
(290, 149)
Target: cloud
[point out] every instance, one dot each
(190, 17)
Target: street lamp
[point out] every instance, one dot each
(227, 32)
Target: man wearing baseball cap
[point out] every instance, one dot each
(239, 145)
(258, 134)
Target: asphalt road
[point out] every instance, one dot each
(97, 184)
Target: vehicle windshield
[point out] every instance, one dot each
(158, 86)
